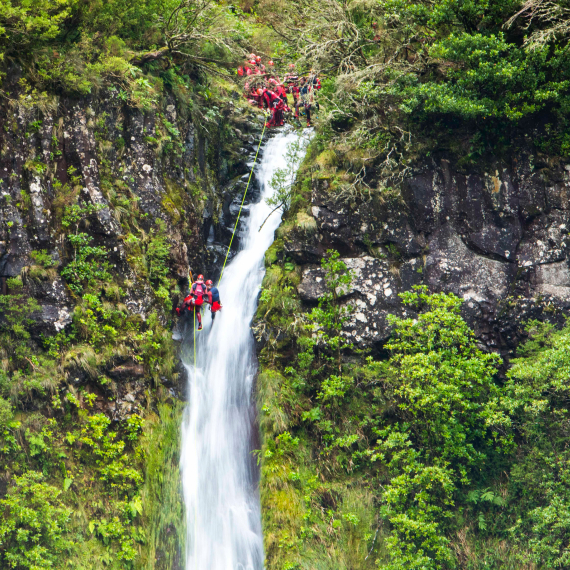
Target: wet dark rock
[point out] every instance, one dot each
(372, 296)
(124, 371)
(498, 239)
(98, 146)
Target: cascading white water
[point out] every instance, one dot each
(219, 474)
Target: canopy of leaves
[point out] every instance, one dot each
(83, 46)
(487, 64)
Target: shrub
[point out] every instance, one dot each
(33, 525)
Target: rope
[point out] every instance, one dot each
(242, 201)
(195, 385)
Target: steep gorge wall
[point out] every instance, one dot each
(498, 239)
(155, 195)
(159, 165)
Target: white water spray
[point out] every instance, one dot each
(219, 474)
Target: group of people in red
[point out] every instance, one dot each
(200, 293)
(266, 91)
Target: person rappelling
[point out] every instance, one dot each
(213, 298)
(194, 301)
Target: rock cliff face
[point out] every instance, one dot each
(498, 239)
(164, 165)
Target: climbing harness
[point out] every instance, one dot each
(242, 201)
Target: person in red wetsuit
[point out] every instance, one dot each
(282, 92)
(255, 97)
(277, 88)
(273, 102)
(213, 298)
(194, 301)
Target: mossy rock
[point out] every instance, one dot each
(272, 254)
(284, 229)
(173, 200)
(272, 276)
(327, 159)
(306, 223)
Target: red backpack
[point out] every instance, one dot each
(198, 289)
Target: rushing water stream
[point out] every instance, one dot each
(218, 471)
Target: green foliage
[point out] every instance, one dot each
(42, 259)
(157, 255)
(88, 264)
(163, 511)
(37, 21)
(489, 73)
(449, 413)
(84, 47)
(16, 310)
(491, 77)
(43, 267)
(113, 465)
(537, 397)
(437, 73)
(93, 466)
(32, 531)
(421, 429)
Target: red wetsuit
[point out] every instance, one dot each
(193, 302)
(295, 90)
(213, 298)
(273, 102)
(282, 92)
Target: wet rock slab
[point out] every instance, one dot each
(372, 296)
(498, 239)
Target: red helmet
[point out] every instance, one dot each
(200, 278)
(253, 62)
(209, 283)
(260, 92)
(258, 58)
(251, 56)
(270, 62)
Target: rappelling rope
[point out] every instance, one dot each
(232, 238)
(194, 381)
(242, 201)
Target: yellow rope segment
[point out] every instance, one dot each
(242, 201)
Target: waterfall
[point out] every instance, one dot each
(219, 473)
